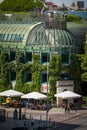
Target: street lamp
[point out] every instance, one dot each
(46, 27)
(47, 103)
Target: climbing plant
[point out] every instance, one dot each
(19, 58)
(4, 67)
(54, 69)
(75, 72)
(36, 69)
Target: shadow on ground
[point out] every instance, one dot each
(25, 124)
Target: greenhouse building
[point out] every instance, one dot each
(20, 42)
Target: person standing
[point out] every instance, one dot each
(32, 123)
(15, 114)
(68, 108)
(20, 113)
(65, 108)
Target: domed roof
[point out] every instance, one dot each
(35, 36)
(54, 38)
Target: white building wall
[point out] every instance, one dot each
(63, 86)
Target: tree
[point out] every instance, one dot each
(84, 67)
(83, 59)
(73, 18)
(19, 5)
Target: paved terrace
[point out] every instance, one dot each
(55, 116)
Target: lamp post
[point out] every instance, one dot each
(47, 107)
(47, 48)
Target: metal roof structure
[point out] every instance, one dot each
(36, 36)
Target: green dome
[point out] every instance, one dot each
(52, 38)
(36, 36)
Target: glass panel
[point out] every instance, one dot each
(18, 38)
(13, 37)
(65, 55)
(6, 57)
(12, 55)
(65, 58)
(1, 37)
(28, 56)
(39, 36)
(12, 75)
(27, 76)
(44, 77)
(5, 37)
(9, 37)
(45, 57)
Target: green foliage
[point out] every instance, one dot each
(20, 16)
(54, 68)
(19, 5)
(85, 47)
(84, 101)
(75, 73)
(73, 67)
(26, 88)
(4, 67)
(36, 69)
(3, 17)
(17, 66)
(19, 61)
(73, 18)
(83, 59)
(19, 81)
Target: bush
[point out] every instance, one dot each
(84, 101)
(73, 18)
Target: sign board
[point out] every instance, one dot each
(65, 83)
(44, 88)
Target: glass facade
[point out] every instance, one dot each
(27, 76)
(34, 38)
(11, 37)
(12, 75)
(12, 55)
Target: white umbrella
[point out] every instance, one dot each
(11, 93)
(67, 95)
(34, 95)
